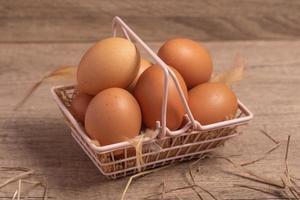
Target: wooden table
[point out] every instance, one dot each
(36, 136)
(37, 36)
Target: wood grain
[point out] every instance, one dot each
(37, 137)
(83, 21)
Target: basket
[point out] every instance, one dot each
(191, 141)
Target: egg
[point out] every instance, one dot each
(212, 102)
(144, 64)
(112, 62)
(149, 93)
(79, 105)
(113, 116)
(189, 58)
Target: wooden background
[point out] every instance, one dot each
(37, 36)
(156, 20)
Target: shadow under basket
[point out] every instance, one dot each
(120, 161)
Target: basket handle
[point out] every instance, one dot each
(128, 33)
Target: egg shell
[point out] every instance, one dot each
(149, 93)
(79, 105)
(212, 102)
(189, 58)
(113, 116)
(144, 64)
(112, 62)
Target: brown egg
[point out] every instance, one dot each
(149, 93)
(113, 116)
(189, 58)
(112, 62)
(144, 64)
(79, 105)
(212, 102)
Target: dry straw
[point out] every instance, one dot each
(195, 187)
(287, 187)
(64, 72)
(24, 178)
(137, 143)
(233, 74)
(137, 176)
(273, 148)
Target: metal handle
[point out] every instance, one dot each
(129, 34)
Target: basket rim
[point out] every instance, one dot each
(121, 145)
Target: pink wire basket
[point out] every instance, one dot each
(166, 147)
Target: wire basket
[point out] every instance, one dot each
(191, 141)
